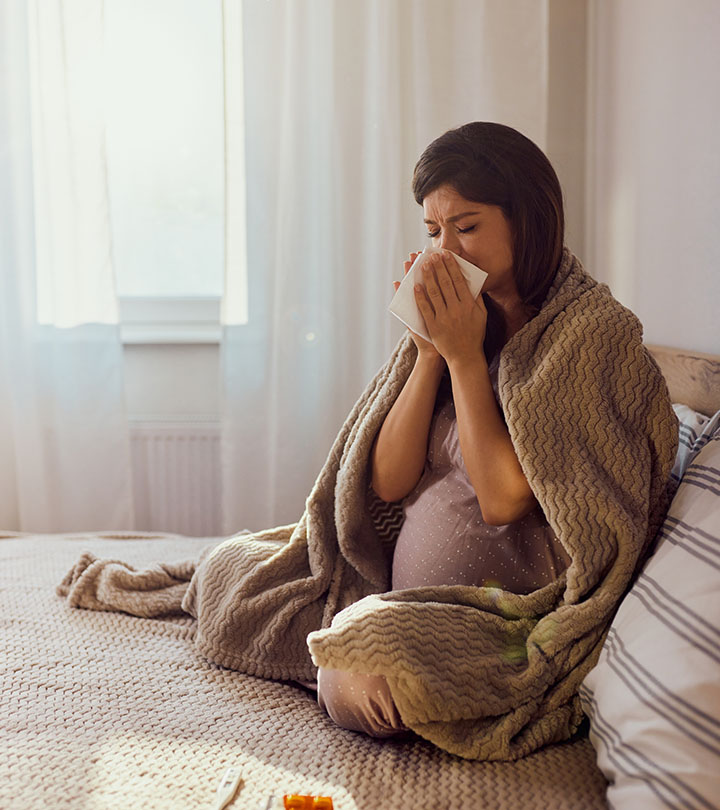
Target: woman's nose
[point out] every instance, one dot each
(448, 241)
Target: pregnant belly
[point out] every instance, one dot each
(445, 541)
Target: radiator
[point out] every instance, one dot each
(176, 477)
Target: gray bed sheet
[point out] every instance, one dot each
(106, 710)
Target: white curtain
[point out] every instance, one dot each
(340, 99)
(64, 439)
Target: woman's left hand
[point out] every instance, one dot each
(455, 320)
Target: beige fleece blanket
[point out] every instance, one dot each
(480, 672)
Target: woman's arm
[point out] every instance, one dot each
(457, 322)
(502, 490)
(400, 449)
(398, 455)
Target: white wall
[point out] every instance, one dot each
(172, 382)
(567, 113)
(654, 164)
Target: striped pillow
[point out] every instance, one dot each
(695, 432)
(654, 697)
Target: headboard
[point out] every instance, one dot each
(692, 377)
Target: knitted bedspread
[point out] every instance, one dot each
(480, 672)
(108, 711)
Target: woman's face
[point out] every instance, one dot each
(478, 232)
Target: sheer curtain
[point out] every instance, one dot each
(340, 100)
(63, 430)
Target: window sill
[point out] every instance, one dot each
(136, 334)
(169, 320)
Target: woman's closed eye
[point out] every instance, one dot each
(469, 229)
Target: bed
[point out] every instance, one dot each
(107, 710)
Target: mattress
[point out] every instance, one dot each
(107, 710)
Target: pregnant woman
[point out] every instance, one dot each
(490, 196)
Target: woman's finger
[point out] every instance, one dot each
(458, 279)
(433, 289)
(424, 303)
(443, 277)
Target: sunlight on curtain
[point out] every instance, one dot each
(234, 303)
(63, 428)
(340, 98)
(72, 228)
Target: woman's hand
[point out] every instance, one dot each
(454, 319)
(424, 347)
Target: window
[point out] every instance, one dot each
(165, 145)
(169, 66)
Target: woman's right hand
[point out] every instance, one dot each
(424, 347)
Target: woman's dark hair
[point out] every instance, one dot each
(497, 165)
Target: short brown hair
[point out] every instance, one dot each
(496, 165)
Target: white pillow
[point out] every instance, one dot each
(654, 697)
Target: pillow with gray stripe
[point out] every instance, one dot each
(695, 431)
(653, 698)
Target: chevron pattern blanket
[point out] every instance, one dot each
(482, 673)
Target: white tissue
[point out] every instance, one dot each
(403, 305)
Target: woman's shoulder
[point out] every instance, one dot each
(582, 337)
(578, 314)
